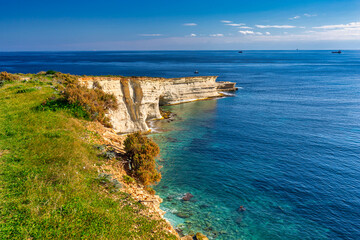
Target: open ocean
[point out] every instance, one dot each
(286, 146)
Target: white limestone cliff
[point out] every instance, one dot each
(139, 97)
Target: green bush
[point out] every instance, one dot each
(109, 183)
(94, 101)
(55, 104)
(26, 90)
(49, 72)
(141, 152)
(127, 179)
(82, 102)
(109, 155)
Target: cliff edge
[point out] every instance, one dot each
(139, 98)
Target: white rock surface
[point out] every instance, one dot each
(139, 97)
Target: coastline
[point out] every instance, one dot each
(137, 191)
(116, 169)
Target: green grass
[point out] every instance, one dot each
(49, 185)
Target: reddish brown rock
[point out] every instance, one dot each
(187, 196)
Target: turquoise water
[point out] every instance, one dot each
(286, 146)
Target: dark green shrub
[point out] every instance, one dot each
(109, 155)
(100, 147)
(110, 183)
(55, 104)
(127, 179)
(26, 90)
(117, 184)
(49, 72)
(141, 152)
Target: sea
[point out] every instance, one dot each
(277, 159)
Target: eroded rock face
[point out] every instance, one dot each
(139, 97)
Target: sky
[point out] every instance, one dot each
(92, 25)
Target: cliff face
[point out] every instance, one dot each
(139, 97)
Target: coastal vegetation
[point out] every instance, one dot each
(141, 152)
(7, 78)
(91, 104)
(51, 187)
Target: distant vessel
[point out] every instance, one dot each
(337, 52)
(240, 52)
(196, 72)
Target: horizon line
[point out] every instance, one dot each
(331, 49)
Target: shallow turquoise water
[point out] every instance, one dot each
(286, 147)
(198, 158)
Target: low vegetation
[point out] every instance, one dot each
(127, 179)
(50, 187)
(94, 102)
(141, 152)
(7, 78)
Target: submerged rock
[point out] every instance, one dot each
(241, 209)
(239, 220)
(187, 197)
(202, 206)
(183, 214)
(170, 198)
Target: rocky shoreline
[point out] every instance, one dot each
(115, 171)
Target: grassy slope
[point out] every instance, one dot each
(48, 179)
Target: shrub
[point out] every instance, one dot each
(127, 179)
(55, 104)
(26, 90)
(94, 101)
(91, 104)
(150, 190)
(141, 152)
(109, 155)
(49, 72)
(110, 183)
(100, 147)
(7, 77)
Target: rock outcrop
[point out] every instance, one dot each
(139, 97)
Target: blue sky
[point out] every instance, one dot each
(178, 25)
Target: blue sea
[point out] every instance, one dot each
(285, 146)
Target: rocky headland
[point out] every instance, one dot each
(139, 98)
(90, 119)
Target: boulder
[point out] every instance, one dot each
(200, 236)
(183, 214)
(187, 197)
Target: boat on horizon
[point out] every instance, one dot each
(240, 51)
(337, 52)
